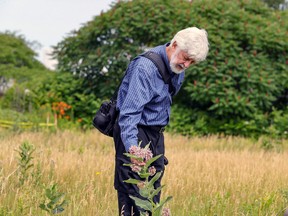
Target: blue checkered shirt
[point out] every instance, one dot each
(143, 97)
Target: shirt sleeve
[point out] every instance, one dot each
(140, 88)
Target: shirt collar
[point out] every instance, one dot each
(164, 54)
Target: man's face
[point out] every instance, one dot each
(180, 61)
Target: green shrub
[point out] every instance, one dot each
(279, 124)
(232, 92)
(196, 122)
(64, 87)
(246, 70)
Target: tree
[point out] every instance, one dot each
(15, 51)
(19, 71)
(17, 60)
(246, 70)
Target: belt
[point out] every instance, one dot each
(159, 129)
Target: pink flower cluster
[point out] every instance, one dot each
(166, 212)
(143, 153)
(136, 168)
(152, 170)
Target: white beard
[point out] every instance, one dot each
(175, 69)
(173, 65)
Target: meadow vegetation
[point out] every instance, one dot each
(71, 172)
(52, 162)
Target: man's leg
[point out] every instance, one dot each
(126, 205)
(122, 173)
(156, 141)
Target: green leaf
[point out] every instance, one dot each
(144, 192)
(149, 162)
(155, 192)
(144, 204)
(161, 204)
(58, 197)
(147, 146)
(132, 181)
(143, 213)
(144, 175)
(133, 156)
(43, 207)
(154, 179)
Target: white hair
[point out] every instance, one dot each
(194, 42)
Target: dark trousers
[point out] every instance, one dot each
(146, 135)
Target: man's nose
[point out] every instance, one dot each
(187, 64)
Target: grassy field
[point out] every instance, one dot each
(205, 176)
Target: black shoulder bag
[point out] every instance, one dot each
(106, 116)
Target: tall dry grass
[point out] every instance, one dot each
(205, 176)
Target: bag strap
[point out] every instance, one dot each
(161, 66)
(158, 61)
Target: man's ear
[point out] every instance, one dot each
(174, 45)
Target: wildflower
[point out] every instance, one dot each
(166, 212)
(60, 108)
(141, 185)
(152, 170)
(136, 150)
(143, 153)
(148, 154)
(141, 159)
(26, 91)
(135, 168)
(62, 112)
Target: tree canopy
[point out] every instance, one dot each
(244, 74)
(17, 59)
(15, 51)
(20, 72)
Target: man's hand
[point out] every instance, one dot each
(137, 162)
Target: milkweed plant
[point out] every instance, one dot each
(141, 160)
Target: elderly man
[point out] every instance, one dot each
(144, 102)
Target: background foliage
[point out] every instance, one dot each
(36, 88)
(241, 89)
(244, 77)
(20, 74)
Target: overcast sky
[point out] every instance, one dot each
(48, 21)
